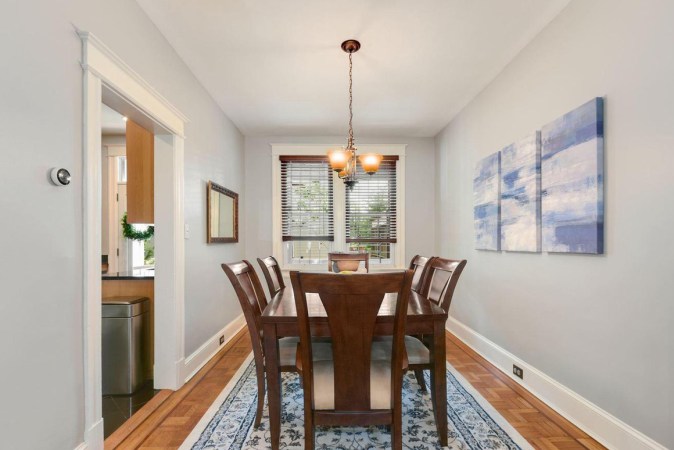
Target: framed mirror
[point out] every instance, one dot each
(222, 214)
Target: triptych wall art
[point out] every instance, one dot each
(545, 192)
(521, 194)
(487, 211)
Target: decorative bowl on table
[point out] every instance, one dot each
(346, 265)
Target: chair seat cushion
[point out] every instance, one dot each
(287, 347)
(380, 384)
(417, 352)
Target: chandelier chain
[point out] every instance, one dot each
(350, 142)
(345, 162)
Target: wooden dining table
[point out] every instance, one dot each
(279, 319)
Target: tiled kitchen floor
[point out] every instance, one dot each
(118, 408)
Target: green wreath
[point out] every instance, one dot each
(131, 233)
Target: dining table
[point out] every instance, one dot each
(279, 319)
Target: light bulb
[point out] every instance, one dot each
(370, 162)
(338, 159)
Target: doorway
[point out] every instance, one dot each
(107, 79)
(127, 266)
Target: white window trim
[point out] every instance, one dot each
(339, 200)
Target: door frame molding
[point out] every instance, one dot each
(112, 152)
(104, 70)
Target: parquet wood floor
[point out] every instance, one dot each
(534, 420)
(170, 423)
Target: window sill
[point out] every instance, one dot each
(322, 268)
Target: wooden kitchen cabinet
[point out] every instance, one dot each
(140, 174)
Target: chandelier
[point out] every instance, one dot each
(343, 160)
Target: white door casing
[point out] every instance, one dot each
(103, 69)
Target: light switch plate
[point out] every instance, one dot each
(187, 231)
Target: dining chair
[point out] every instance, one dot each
(251, 297)
(352, 388)
(418, 265)
(272, 273)
(349, 261)
(439, 283)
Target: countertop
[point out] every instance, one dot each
(136, 274)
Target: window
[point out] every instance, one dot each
(121, 169)
(371, 219)
(141, 252)
(307, 209)
(314, 213)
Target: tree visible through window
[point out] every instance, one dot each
(371, 212)
(307, 208)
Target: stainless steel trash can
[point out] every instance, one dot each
(125, 344)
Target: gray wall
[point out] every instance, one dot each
(601, 325)
(419, 190)
(41, 233)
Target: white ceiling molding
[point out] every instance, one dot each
(322, 149)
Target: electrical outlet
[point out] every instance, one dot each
(518, 371)
(222, 340)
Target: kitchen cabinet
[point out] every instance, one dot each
(140, 174)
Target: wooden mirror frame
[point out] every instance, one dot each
(235, 197)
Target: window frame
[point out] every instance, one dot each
(339, 202)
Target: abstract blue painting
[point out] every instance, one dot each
(572, 171)
(521, 195)
(487, 209)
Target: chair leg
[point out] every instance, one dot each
(397, 413)
(309, 431)
(396, 438)
(419, 374)
(433, 399)
(397, 430)
(259, 369)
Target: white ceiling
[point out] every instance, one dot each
(276, 67)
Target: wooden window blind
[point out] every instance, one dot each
(306, 198)
(371, 205)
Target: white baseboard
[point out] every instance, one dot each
(602, 426)
(93, 437)
(203, 354)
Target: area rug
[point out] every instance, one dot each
(473, 422)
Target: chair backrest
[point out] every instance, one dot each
(440, 280)
(418, 265)
(336, 257)
(352, 303)
(272, 273)
(251, 297)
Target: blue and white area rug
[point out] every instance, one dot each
(473, 422)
